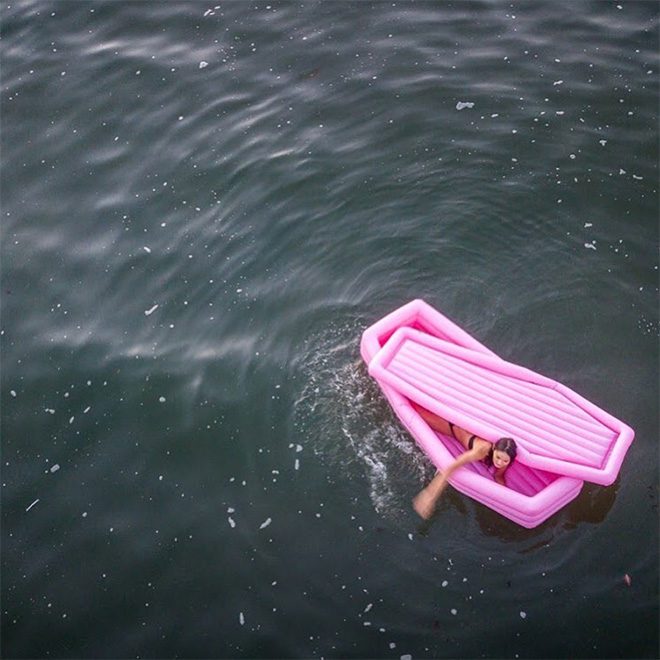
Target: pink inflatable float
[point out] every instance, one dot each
(417, 354)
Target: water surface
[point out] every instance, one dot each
(203, 207)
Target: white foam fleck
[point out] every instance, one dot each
(162, 399)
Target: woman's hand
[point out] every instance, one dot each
(425, 502)
(428, 497)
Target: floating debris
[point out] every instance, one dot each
(626, 578)
(464, 104)
(266, 523)
(55, 467)
(31, 505)
(149, 312)
(203, 64)
(523, 615)
(241, 618)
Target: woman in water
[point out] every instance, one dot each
(500, 455)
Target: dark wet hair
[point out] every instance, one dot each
(508, 446)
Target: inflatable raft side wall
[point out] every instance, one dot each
(420, 315)
(525, 510)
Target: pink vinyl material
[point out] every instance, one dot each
(532, 495)
(555, 429)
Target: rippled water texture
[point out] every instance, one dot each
(203, 207)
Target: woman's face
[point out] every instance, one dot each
(501, 459)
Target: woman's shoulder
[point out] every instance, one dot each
(483, 447)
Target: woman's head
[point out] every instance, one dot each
(504, 452)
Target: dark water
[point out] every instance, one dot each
(203, 206)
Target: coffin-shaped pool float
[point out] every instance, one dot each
(416, 353)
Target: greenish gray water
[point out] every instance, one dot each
(203, 207)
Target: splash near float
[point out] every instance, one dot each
(416, 354)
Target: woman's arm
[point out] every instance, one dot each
(499, 476)
(427, 499)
